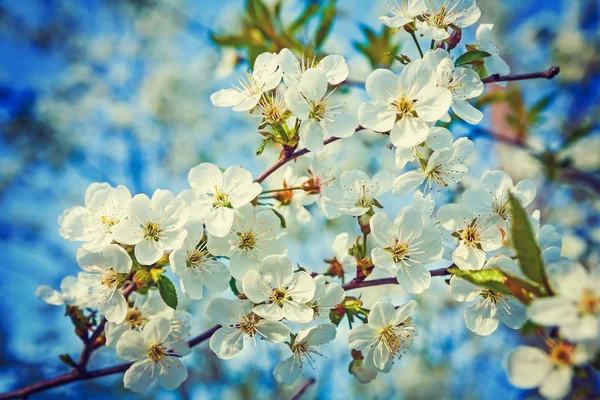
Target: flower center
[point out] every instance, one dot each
(247, 240)
(248, 324)
(109, 222)
(110, 279)
(399, 251)
(501, 208)
(397, 339)
(152, 231)
(134, 318)
(197, 256)
(562, 353)
(470, 236)
(589, 302)
(221, 199)
(273, 110)
(404, 106)
(156, 352)
(365, 199)
(318, 110)
(439, 18)
(279, 296)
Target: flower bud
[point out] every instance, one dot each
(142, 277)
(454, 39)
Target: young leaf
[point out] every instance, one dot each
(281, 218)
(470, 56)
(167, 291)
(524, 241)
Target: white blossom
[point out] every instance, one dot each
(73, 292)
(239, 323)
(303, 348)
(153, 225)
(327, 296)
(217, 194)
(441, 14)
(278, 292)
(152, 357)
(405, 247)
(93, 224)
(245, 96)
(386, 336)
(196, 266)
(343, 263)
(403, 12)
(405, 105)
(493, 64)
(438, 138)
(334, 66)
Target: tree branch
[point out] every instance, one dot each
(303, 389)
(548, 74)
(358, 283)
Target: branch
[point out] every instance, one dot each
(357, 283)
(548, 74)
(303, 389)
(78, 375)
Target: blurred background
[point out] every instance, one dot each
(118, 91)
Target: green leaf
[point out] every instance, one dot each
(528, 251)
(66, 359)
(309, 11)
(326, 23)
(262, 146)
(230, 40)
(167, 291)
(492, 279)
(281, 218)
(471, 56)
(529, 328)
(233, 287)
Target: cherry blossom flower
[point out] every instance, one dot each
(404, 247)
(386, 336)
(493, 191)
(334, 66)
(357, 192)
(493, 64)
(152, 356)
(218, 194)
(327, 296)
(476, 234)
(253, 236)
(279, 292)
(576, 306)
(153, 225)
(292, 202)
(106, 272)
(195, 266)
(529, 367)
(311, 104)
(303, 348)
(321, 177)
(73, 292)
(463, 83)
(441, 14)
(444, 168)
(437, 139)
(343, 263)
(483, 316)
(403, 12)
(93, 224)
(245, 96)
(239, 323)
(405, 105)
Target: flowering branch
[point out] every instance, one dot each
(548, 74)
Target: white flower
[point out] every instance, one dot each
(343, 263)
(438, 138)
(152, 357)
(292, 202)
(311, 104)
(463, 83)
(444, 168)
(406, 105)
(327, 296)
(105, 274)
(357, 192)
(476, 234)
(239, 323)
(218, 194)
(386, 336)
(576, 306)
(73, 292)
(363, 368)
(195, 266)
(321, 177)
(252, 238)
(483, 316)
(529, 367)
(441, 14)
(493, 64)
(404, 247)
(266, 76)
(283, 292)
(302, 346)
(334, 66)
(93, 224)
(403, 13)
(493, 191)
(153, 226)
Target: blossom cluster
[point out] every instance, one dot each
(227, 233)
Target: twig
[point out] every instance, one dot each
(358, 283)
(303, 389)
(548, 74)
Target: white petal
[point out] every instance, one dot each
(173, 375)
(527, 367)
(157, 330)
(409, 132)
(311, 134)
(335, 68)
(313, 84)
(297, 103)
(139, 376)
(464, 110)
(226, 342)
(116, 308)
(132, 346)
(481, 318)
(381, 315)
(375, 115)
(273, 331)
(414, 279)
(219, 220)
(557, 383)
(287, 371)
(407, 182)
(381, 84)
(149, 251)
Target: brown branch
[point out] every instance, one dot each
(303, 389)
(548, 74)
(358, 283)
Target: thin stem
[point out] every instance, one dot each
(281, 190)
(548, 74)
(365, 235)
(432, 45)
(412, 33)
(303, 389)
(358, 283)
